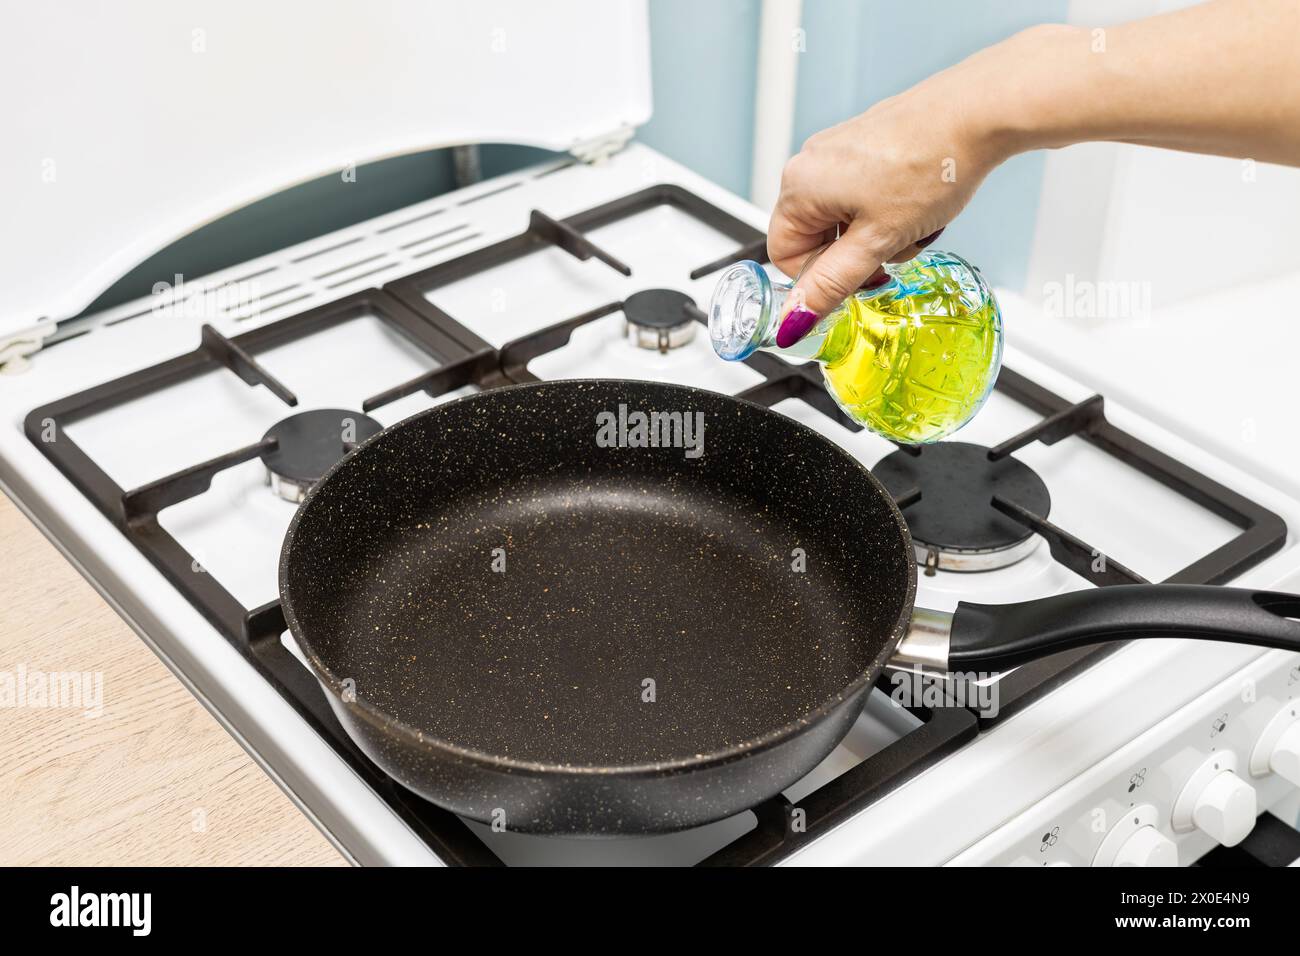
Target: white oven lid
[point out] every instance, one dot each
(129, 125)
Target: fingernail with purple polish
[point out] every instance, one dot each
(922, 243)
(878, 278)
(794, 327)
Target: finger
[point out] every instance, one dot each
(913, 250)
(791, 240)
(838, 272)
(789, 251)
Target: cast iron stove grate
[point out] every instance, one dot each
(462, 358)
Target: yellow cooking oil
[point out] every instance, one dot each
(915, 359)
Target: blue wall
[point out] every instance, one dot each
(704, 62)
(705, 56)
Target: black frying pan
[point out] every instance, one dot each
(527, 625)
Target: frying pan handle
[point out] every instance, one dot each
(992, 637)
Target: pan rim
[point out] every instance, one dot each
(412, 736)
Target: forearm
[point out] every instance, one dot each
(1221, 77)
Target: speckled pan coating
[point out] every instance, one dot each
(521, 694)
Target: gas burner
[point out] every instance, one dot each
(953, 522)
(658, 319)
(308, 444)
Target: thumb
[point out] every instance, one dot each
(838, 271)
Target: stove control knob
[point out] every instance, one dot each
(1147, 846)
(1225, 808)
(1283, 758)
(1136, 840)
(1216, 801)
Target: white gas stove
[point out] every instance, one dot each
(143, 460)
(952, 788)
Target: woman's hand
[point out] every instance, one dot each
(890, 180)
(1218, 77)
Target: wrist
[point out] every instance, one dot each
(1017, 103)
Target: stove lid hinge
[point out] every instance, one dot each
(604, 146)
(16, 348)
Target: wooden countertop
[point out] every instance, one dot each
(152, 780)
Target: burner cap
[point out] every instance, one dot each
(954, 524)
(309, 444)
(657, 319)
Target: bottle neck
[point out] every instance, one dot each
(809, 348)
(747, 311)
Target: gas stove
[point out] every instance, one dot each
(164, 444)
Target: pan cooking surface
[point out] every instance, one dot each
(490, 576)
(605, 588)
